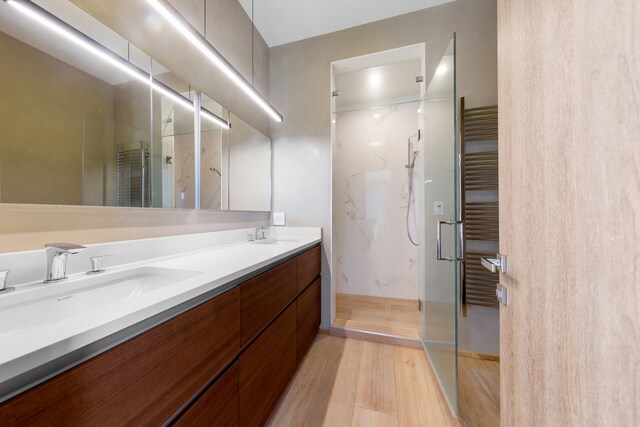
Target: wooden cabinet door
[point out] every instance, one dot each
(308, 266)
(266, 367)
(569, 96)
(307, 318)
(218, 406)
(143, 381)
(264, 296)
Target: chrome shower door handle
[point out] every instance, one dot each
(460, 225)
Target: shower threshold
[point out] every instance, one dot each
(386, 320)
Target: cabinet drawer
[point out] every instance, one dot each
(266, 367)
(308, 268)
(264, 296)
(143, 381)
(218, 406)
(307, 318)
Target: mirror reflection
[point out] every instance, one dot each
(214, 155)
(82, 130)
(249, 168)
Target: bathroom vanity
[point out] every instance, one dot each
(222, 352)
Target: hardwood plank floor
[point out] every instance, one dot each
(368, 418)
(347, 382)
(479, 392)
(376, 388)
(391, 316)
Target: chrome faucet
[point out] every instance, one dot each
(260, 232)
(3, 282)
(57, 260)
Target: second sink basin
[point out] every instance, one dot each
(65, 300)
(273, 241)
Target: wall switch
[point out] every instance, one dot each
(278, 218)
(438, 208)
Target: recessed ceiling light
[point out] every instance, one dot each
(419, 110)
(376, 115)
(375, 79)
(442, 69)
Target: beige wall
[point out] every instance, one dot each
(300, 84)
(24, 227)
(43, 162)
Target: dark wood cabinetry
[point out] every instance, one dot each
(218, 406)
(143, 381)
(307, 318)
(308, 267)
(264, 296)
(152, 378)
(266, 367)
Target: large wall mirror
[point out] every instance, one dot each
(79, 128)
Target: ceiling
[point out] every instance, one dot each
(286, 21)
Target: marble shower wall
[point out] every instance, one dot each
(184, 169)
(372, 254)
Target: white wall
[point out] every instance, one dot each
(372, 254)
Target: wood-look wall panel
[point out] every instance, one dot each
(569, 125)
(143, 381)
(264, 296)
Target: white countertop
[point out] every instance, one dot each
(26, 351)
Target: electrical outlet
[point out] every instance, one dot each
(438, 208)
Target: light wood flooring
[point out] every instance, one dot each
(390, 316)
(478, 392)
(349, 382)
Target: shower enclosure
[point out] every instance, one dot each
(443, 228)
(376, 195)
(396, 232)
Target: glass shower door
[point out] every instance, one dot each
(438, 329)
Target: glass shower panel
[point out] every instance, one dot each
(438, 329)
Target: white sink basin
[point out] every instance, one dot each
(60, 301)
(278, 242)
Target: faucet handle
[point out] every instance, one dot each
(71, 248)
(95, 264)
(264, 230)
(3, 282)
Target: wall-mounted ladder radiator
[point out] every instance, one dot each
(133, 189)
(479, 200)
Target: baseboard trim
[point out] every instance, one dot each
(375, 337)
(324, 331)
(480, 356)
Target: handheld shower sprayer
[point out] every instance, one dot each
(411, 155)
(411, 162)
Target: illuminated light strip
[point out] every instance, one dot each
(60, 27)
(214, 56)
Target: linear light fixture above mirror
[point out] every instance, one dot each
(60, 27)
(201, 43)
